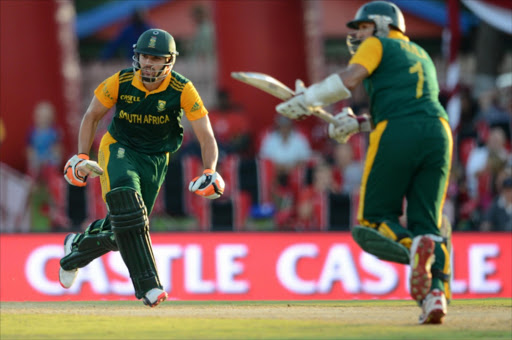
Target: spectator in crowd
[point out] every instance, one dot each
(468, 113)
(311, 200)
(202, 45)
(231, 126)
(504, 86)
(347, 171)
(499, 215)
(44, 157)
(123, 42)
(286, 147)
(493, 111)
(486, 160)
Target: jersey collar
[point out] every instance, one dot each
(137, 82)
(394, 34)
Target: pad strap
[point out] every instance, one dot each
(437, 273)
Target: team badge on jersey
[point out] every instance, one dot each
(120, 153)
(161, 105)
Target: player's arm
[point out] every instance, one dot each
(204, 134)
(364, 62)
(105, 97)
(95, 112)
(353, 75)
(337, 86)
(79, 167)
(347, 123)
(210, 184)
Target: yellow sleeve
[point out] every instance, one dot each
(368, 54)
(191, 103)
(108, 91)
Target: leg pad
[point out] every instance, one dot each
(130, 225)
(95, 242)
(373, 242)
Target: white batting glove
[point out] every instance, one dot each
(348, 124)
(78, 168)
(209, 185)
(295, 108)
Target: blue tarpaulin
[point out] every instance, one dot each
(92, 21)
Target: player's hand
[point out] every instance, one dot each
(209, 185)
(78, 168)
(348, 124)
(295, 108)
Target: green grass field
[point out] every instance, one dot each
(467, 319)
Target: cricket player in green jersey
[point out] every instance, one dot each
(149, 99)
(409, 154)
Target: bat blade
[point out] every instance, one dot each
(265, 83)
(277, 89)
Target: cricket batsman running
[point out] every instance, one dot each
(409, 154)
(150, 100)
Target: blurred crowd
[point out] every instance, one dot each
(480, 192)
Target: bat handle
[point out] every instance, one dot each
(326, 116)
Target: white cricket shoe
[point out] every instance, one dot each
(422, 258)
(154, 297)
(433, 308)
(67, 277)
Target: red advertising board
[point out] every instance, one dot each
(250, 266)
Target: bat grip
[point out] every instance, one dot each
(326, 116)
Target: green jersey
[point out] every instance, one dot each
(404, 84)
(149, 121)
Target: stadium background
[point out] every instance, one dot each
(51, 50)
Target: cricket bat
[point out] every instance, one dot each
(277, 89)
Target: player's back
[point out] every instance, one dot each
(404, 85)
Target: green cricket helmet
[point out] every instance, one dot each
(159, 43)
(383, 14)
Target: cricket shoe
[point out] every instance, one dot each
(154, 297)
(67, 277)
(433, 308)
(422, 258)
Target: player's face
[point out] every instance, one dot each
(356, 37)
(365, 30)
(151, 66)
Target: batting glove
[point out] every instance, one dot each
(348, 124)
(209, 185)
(295, 108)
(78, 168)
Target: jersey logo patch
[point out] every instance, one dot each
(120, 153)
(195, 107)
(161, 105)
